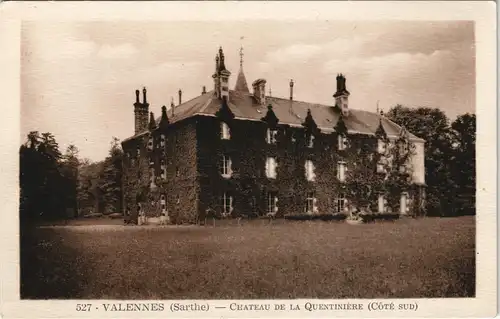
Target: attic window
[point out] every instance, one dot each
(225, 135)
(342, 142)
(271, 136)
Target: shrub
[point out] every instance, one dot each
(92, 215)
(324, 217)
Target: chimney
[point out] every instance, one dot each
(291, 90)
(141, 111)
(204, 90)
(259, 91)
(144, 96)
(172, 106)
(180, 97)
(342, 95)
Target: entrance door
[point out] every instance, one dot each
(403, 203)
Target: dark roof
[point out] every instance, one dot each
(245, 106)
(241, 82)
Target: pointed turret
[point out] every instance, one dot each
(164, 117)
(241, 81)
(271, 118)
(152, 122)
(309, 122)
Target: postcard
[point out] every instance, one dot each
(249, 159)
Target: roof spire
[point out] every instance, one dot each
(241, 81)
(241, 56)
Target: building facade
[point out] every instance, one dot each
(235, 152)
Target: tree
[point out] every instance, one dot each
(41, 181)
(432, 125)
(464, 161)
(69, 170)
(111, 177)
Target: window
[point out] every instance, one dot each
(380, 167)
(341, 203)
(138, 151)
(382, 147)
(272, 201)
(226, 166)
(310, 176)
(403, 205)
(227, 204)
(310, 203)
(342, 142)
(162, 140)
(310, 141)
(271, 167)
(225, 135)
(163, 168)
(177, 172)
(341, 169)
(152, 177)
(403, 169)
(163, 203)
(381, 203)
(271, 136)
(150, 143)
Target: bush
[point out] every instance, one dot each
(373, 217)
(324, 217)
(92, 215)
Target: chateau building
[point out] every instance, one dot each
(241, 152)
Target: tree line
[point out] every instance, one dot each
(60, 186)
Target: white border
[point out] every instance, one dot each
(483, 13)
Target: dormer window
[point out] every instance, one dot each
(341, 142)
(271, 136)
(382, 147)
(310, 141)
(150, 143)
(162, 140)
(226, 170)
(225, 134)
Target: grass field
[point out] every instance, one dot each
(409, 258)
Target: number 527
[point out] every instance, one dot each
(83, 307)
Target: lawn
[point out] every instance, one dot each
(429, 257)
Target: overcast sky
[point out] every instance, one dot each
(78, 79)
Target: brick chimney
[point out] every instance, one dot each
(259, 91)
(141, 112)
(342, 95)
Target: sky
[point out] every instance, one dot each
(78, 78)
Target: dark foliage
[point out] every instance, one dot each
(449, 157)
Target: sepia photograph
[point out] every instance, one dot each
(248, 159)
(210, 160)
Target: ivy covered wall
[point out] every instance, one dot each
(193, 153)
